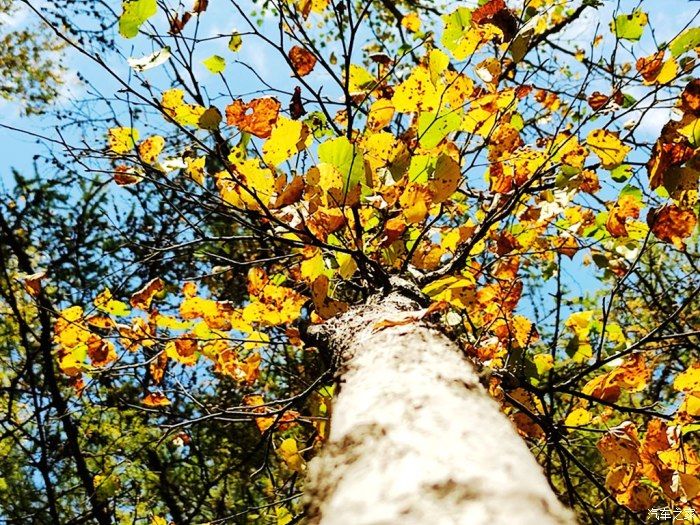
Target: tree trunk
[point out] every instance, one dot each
(415, 439)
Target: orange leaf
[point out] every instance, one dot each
(672, 224)
(155, 399)
(256, 117)
(142, 298)
(627, 207)
(620, 445)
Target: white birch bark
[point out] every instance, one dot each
(415, 438)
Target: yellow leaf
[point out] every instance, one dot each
(460, 37)
(150, 148)
(484, 112)
(608, 147)
(288, 138)
(668, 72)
(122, 140)
(258, 181)
(414, 203)
(215, 64)
(326, 307)
(411, 22)
(106, 304)
(346, 265)
(691, 405)
(380, 114)
(289, 453)
(196, 169)
(176, 109)
(455, 290)
(308, 6)
(283, 516)
(74, 363)
(437, 63)
(360, 80)
(417, 93)
(168, 321)
(569, 152)
(256, 340)
(689, 380)
(313, 266)
(578, 418)
(543, 363)
(580, 323)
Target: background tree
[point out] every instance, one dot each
(354, 199)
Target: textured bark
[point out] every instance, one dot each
(415, 439)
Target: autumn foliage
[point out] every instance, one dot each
(521, 196)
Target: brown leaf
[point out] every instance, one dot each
(597, 100)
(325, 306)
(125, 176)
(256, 117)
(670, 151)
(101, 352)
(302, 60)
(620, 445)
(496, 12)
(411, 317)
(381, 58)
(177, 24)
(200, 6)
(649, 67)
(291, 193)
(32, 283)
(296, 107)
(690, 98)
(157, 368)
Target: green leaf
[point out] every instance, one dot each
(215, 64)
(621, 173)
(632, 191)
(628, 101)
(687, 40)
(349, 161)
(687, 429)
(134, 14)
(432, 128)
(630, 27)
(456, 24)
